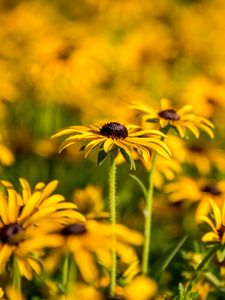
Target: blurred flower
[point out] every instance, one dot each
(27, 221)
(204, 157)
(201, 190)
(113, 135)
(165, 169)
(94, 239)
(90, 202)
(6, 155)
(217, 224)
(182, 119)
(206, 95)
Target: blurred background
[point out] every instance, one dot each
(78, 62)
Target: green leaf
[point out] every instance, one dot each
(101, 157)
(164, 261)
(141, 184)
(128, 159)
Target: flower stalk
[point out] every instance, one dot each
(148, 218)
(112, 200)
(16, 280)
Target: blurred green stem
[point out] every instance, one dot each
(65, 272)
(16, 281)
(112, 200)
(148, 218)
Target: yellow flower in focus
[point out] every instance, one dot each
(217, 224)
(115, 136)
(197, 190)
(182, 119)
(94, 239)
(26, 221)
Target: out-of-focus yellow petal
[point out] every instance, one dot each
(216, 213)
(210, 237)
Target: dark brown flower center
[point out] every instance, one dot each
(9, 233)
(196, 148)
(74, 229)
(169, 114)
(221, 231)
(66, 52)
(211, 189)
(114, 130)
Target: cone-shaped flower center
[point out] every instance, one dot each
(8, 233)
(169, 114)
(74, 229)
(211, 189)
(114, 130)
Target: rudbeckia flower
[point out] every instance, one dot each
(89, 201)
(94, 239)
(26, 222)
(217, 224)
(197, 190)
(115, 136)
(182, 119)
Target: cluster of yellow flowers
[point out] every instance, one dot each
(110, 68)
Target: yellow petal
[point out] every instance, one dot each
(26, 191)
(4, 210)
(5, 253)
(165, 104)
(210, 237)
(217, 213)
(87, 267)
(13, 208)
(29, 208)
(107, 146)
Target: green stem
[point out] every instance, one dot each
(65, 272)
(112, 200)
(16, 281)
(148, 218)
(200, 267)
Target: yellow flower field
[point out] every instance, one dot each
(112, 161)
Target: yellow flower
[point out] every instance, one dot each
(217, 224)
(115, 136)
(89, 201)
(204, 157)
(94, 239)
(26, 221)
(194, 190)
(182, 119)
(80, 291)
(6, 155)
